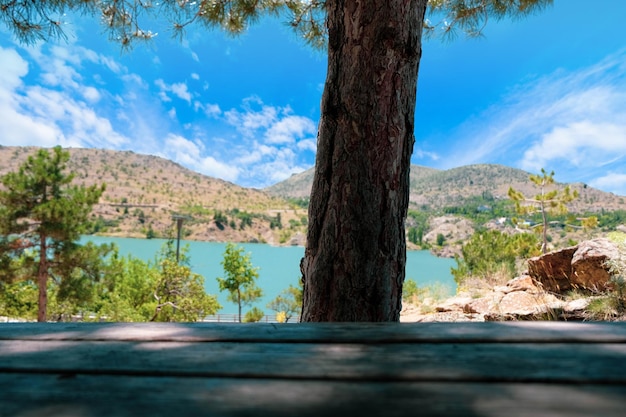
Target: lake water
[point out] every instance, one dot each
(278, 266)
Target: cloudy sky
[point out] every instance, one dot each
(547, 91)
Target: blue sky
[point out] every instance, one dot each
(547, 91)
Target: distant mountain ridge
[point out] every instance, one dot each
(436, 189)
(144, 191)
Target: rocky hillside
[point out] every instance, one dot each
(436, 189)
(143, 192)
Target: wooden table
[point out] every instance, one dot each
(510, 369)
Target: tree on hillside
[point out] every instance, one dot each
(546, 201)
(241, 276)
(41, 218)
(354, 263)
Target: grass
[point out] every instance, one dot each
(425, 298)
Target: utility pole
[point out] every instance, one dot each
(179, 227)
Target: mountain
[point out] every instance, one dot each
(436, 189)
(144, 191)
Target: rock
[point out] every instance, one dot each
(553, 269)
(486, 303)
(589, 268)
(299, 239)
(521, 283)
(445, 251)
(582, 266)
(577, 305)
(534, 296)
(453, 304)
(521, 305)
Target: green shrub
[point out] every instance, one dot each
(409, 290)
(491, 252)
(612, 305)
(254, 315)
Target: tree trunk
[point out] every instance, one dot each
(42, 279)
(355, 258)
(544, 243)
(239, 303)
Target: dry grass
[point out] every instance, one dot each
(144, 191)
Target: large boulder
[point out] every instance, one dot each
(581, 266)
(553, 270)
(589, 269)
(522, 305)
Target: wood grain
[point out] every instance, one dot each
(492, 332)
(597, 363)
(107, 396)
(179, 370)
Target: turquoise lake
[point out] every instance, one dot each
(278, 266)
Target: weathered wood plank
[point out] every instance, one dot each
(111, 396)
(533, 362)
(509, 332)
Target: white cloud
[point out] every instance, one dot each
(248, 121)
(195, 76)
(180, 90)
(288, 129)
(190, 154)
(579, 143)
(83, 99)
(570, 122)
(45, 116)
(163, 89)
(421, 154)
(212, 110)
(307, 145)
(134, 79)
(273, 142)
(58, 72)
(13, 69)
(91, 94)
(613, 182)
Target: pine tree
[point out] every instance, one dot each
(359, 200)
(41, 219)
(546, 201)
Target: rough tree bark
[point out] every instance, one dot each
(354, 263)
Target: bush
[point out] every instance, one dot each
(220, 219)
(492, 252)
(254, 315)
(409, 290)
(415, 235)
(276, 222)
(612, 305)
